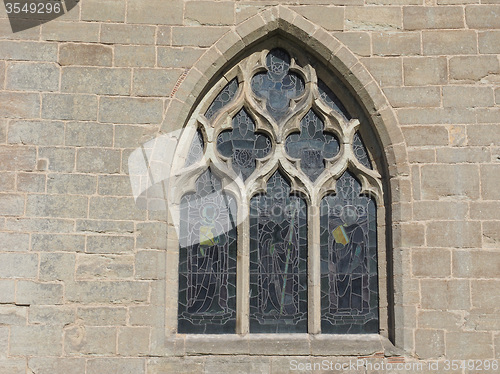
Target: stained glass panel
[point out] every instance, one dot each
(279, 85)
(195, 150)
(207, 267)
(312, 145)
(349, 288)
(278, 260)
(332, 100)
(243, 145)
(360, 151)
(223, 98)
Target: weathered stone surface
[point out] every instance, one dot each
(18, 265)
(483, 17)
(127, 34)
(425, 71)
(20, 105)
(85, 54)
(14, 242)
(466, 345)
(209, 13)
(69, 107)
(111, 10)
(71, 31)
(176, 57)
(57, 159)
(105, 81)
(12, 205)
(28, 293)
(155, 82)
(440, 266)
(108, 292)
(102, 316)
(56, 206)
(449, 42)
(396, 44)
(36, 132)
(57, 242)
(53, 365)
(414, 96)
(57, 266)
(89, 134)
(109, 244)
(130, 110)
(490, 178)
(331, 18)
(418, 17)
(89, 340)
(373, 18)
(35, 341)
(155, 12)
(134, 56)
(429, 343)
(27, 76)
(51, 315)
(77, 184)
(98, 160)
(133, 341)
(196, 36)
(116, 365)
(28, 51)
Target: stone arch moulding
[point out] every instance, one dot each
(336, 57)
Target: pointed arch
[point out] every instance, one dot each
(281, 21)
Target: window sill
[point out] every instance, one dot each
(281, 345)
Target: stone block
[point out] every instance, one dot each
(396, 44)
(373, 18)
(175, 57)
(7, 291)
(116, 365)
(209, 13)
(410, 234)
(14, 242)
(358, 42)
(487, 135)
(56, 365)
(60, 206)
(58, 242)
(17, 158)
(484, 210)
(51, 315)
(468, 345)
(110, 292)
(91, 267)
(473, 68)
(433, 17)
(163, 35)
(458, 155)
(449, 42)
(102, 316)
(98, 160)
(151, 235)
(104, 227)
(8, 182)
(85, 54)
(57, 266)
(483, 16)
(155, 12)
(88, 134)
(476, 264)
(440, 319)
(421, 71)
(155, 82)
(88, 340)
(57, 159)
(191, 365)
(18, 265)
(481, 320)
(133, 341)
(418, 136)
(429, 343)
(490, 179)
(40, 225)
(227, 365)
(491, 234)
(110, 10)
(450, 180)
(101, 81)
(464, 96)
(69, 107)
(26, 76)
(128, 34)
(19, 105)
(36, 132)
(431, 262)
(28, 51)
(413, 96)
(330, 18)
(13, 315)
(114, 185)
(135, 56)
(489, 41)
(128, 136)
(197, 36)
(150, 264)
(12, 205)
(131, 110)
(110, 244)
(485, 294)
(115, 208)
(439, 294)
(71, 31)
(29, 293)
(77, 184)
(458, 234)
(35, 341)
(387, 71)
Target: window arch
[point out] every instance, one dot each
(294, 244)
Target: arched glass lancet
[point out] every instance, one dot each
(305, 191)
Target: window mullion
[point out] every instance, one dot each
(314, 270)
(243, 271)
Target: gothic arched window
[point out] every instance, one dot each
(277, 218)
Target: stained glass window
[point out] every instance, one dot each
(278, 260)
(312, 145)
(207, 267)
(301, 129)
(278, 85)
(243, 145)
(223, 98)
(349, 288)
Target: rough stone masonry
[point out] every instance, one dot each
(83, 269)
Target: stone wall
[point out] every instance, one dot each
(83, 269)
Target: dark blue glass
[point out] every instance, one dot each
(207, 260)
(312, 145)
(332, 100)
(360, 151)
(278, 85)
(243, 145)
(349, 284)
(223, 98)
(196, 149)
(278, 260)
